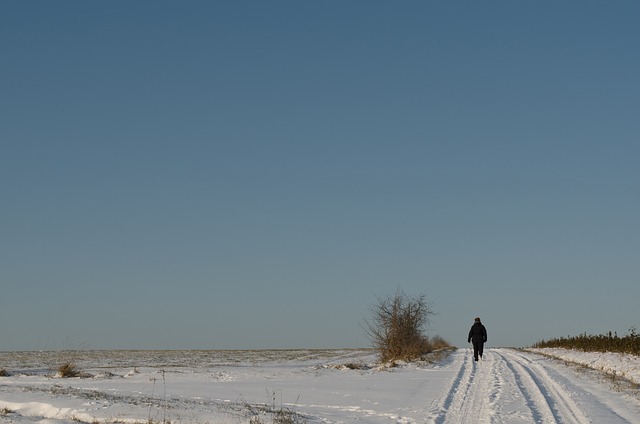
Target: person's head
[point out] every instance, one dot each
(477, 319)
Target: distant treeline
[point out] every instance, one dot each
(609, 342)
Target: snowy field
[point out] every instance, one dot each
(315, 386)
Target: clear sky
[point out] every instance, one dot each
(253, 174)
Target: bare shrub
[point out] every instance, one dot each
(439, 343)
(396, 328)
(68, 370)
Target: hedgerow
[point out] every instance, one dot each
(609, 342)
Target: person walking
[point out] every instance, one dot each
(477, 335)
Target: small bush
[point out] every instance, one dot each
(68, 370)
(4, 373)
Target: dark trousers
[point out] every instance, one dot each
(477, 349)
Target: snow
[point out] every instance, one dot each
(317, 386)
(620, 365)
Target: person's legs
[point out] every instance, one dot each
(475, 350)
(480, 348)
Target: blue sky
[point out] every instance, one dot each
(253, 174)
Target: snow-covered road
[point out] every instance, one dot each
(507, 386)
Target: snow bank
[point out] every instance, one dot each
(47, 413)
(618, 364)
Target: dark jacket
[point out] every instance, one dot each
(477, 334)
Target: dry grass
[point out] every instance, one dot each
(276, 414)
(68, 370)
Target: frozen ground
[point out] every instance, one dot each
(314, 386)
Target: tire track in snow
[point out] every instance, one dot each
(473, 392)
(525, 395)
(508, 387)
(588, 400)
(547, 400)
